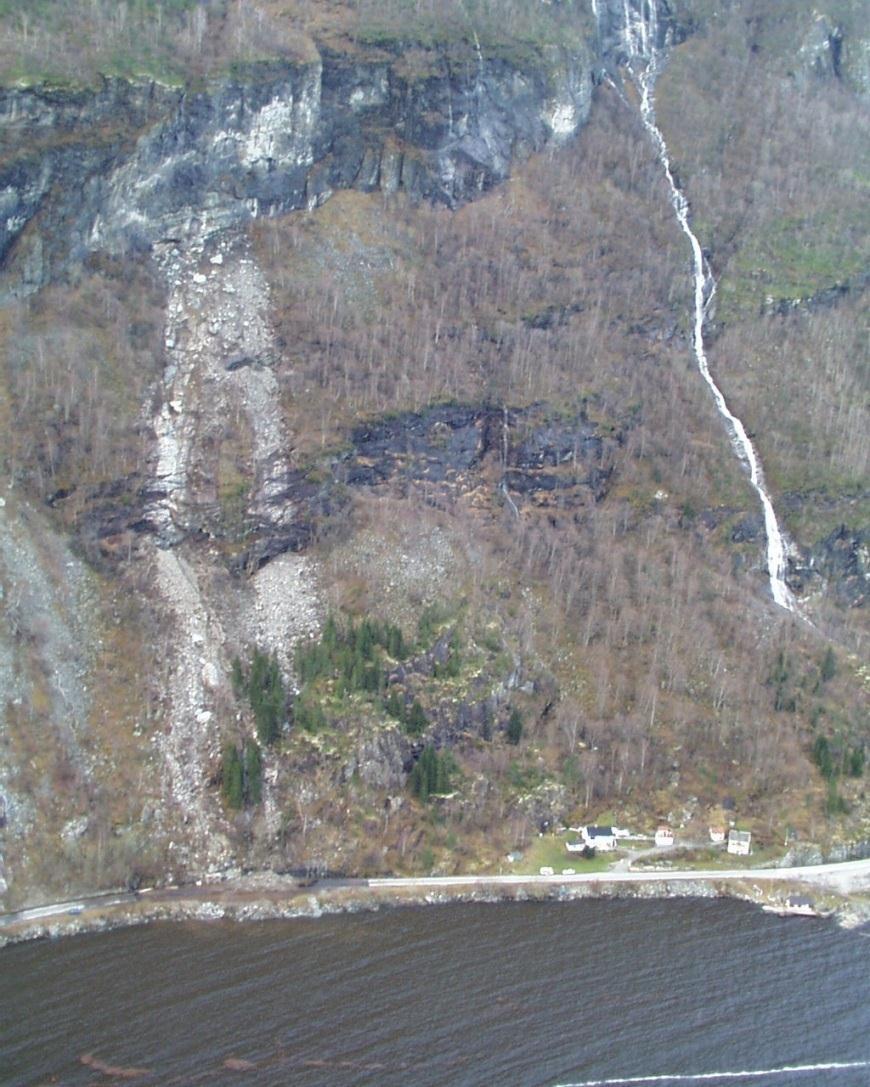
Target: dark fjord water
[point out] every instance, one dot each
(513, 994)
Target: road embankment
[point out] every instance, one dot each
(842, 891)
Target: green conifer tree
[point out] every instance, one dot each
(252, 760)
(486, 726)
(395, 705)
(822, 757)
(396, 643)
(238, 678)
(267, 695)
(416, 721)
(231, 777)
(442, 774)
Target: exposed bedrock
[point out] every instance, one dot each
(124, 165)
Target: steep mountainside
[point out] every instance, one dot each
(364, 508)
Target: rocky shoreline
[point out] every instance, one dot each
(292, 900)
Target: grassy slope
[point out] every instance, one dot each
(74, 41)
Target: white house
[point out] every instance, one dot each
(717, 835)
(738, 842)
(664, 836)
(600, 838)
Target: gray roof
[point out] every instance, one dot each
(799, 900)
(599, 832)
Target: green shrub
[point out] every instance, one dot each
(263, 686)
(432, 618)
(352, 655)
(242, 775)
(834, 757)
(238, 678)
(525, 779)
(781, 680)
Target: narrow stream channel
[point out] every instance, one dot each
(640, 34)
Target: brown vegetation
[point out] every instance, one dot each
(651, 661)
(772, 150)
(79, 359)
(630, 631)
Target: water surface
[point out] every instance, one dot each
(511, 994)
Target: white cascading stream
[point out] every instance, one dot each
(639, 37)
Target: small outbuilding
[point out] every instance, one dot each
(739, 842)
(664, 836)
(717, 835)
(801, 904)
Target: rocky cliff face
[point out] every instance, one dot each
(130, 164)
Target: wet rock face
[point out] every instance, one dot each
(452, 450)
(442, 136)
(231, 152)
(146, 162)
(448, 453)
(621, 20)
(22, 187)
(51, 143)
(824, 299)
(843, 560)
(749, 529)
(438, 445)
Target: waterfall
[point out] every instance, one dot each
(639, 38)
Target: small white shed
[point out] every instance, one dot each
(664, 836)
(739, 842)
